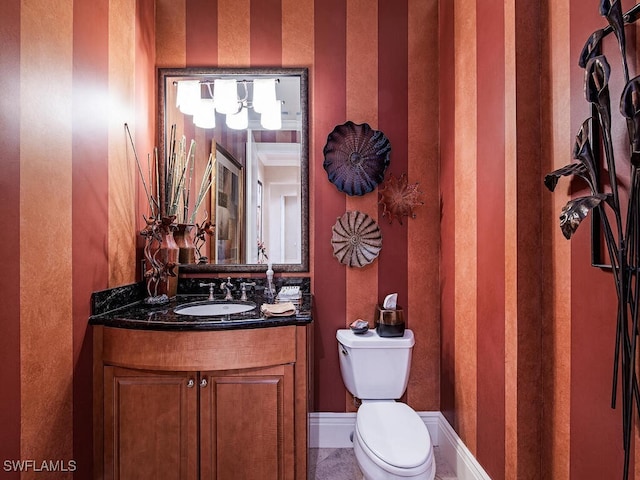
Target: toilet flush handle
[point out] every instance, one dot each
(343, 350)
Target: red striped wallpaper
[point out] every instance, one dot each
(90, 170)
(527, 327)
(329, 280)
(67, 186)
(491, 244)
(10, 211)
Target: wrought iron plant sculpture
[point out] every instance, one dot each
(622, 237)
(204, 229)
(158, 269)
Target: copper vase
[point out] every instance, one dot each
(184, 237)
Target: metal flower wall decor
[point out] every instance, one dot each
(356, 157)
(398, 198)
(356, 239)
(622, 235)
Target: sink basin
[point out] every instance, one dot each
(214, 309)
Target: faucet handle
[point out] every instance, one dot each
(211, 286)
(243, 288)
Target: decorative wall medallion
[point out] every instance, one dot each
(398, 198)
(356, 239)
(355, 158)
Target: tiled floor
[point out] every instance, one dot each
(340, 464)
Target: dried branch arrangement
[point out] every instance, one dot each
(179, 178)
(158, 231)
(622, 236)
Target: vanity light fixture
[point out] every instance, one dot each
(230, 98)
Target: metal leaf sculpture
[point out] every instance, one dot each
(576, 210)
(630, 108)
(591, 48)
(585, 168)
(623, 247)
(551, 179)
(583, 152)
(612, 11)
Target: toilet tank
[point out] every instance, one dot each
(374, 367)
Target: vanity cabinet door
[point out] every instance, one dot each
(150, 424)
(247, 424)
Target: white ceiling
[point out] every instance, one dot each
(278, 154)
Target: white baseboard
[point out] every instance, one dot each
(333, 430)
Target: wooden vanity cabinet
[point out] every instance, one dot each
(150, 424)
(201, 405)
(246, 424)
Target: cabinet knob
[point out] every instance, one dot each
(203, 383)
(191, 383)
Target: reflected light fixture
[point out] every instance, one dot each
(264, 94)
(238, 120)
(271, 117)
(230, 97)
(205, 114)
(225, 96)
(187, 96)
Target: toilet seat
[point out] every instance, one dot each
(395, 435)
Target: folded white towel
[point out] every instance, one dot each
(283, 309)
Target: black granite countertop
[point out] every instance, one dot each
(125, 308)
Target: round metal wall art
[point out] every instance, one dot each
(356, 157)
(356, 239)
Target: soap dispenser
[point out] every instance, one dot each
(270, 290)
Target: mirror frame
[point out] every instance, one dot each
(164, 75)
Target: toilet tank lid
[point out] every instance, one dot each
(371, 339)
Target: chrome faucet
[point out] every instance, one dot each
(243, 287)
(211, 288)
(227, 286)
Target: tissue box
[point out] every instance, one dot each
(389, 323)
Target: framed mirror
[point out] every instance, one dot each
(259, 198)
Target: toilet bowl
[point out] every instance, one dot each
(391, 442)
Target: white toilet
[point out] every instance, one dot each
(391, 442)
